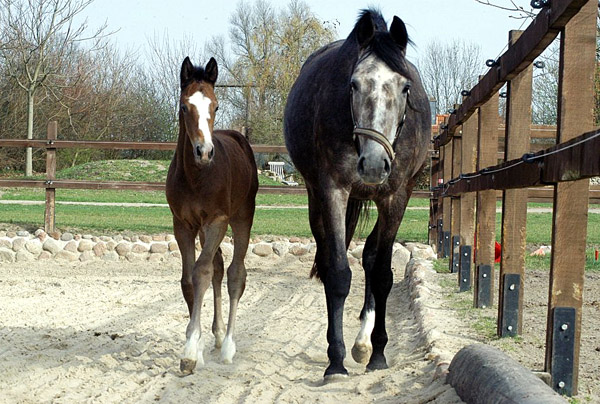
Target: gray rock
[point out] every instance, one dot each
(66, 255)
(110, 256)
(99, 249)
(158, 248)
(18, 244)
(6, 255)
(263, 249)
(139, 248)
(280, 248)
(44, 255)
(66, 236)
(87, 255)
(24, 256)
(51, 245)
(123, 248)
(5, 243)
(34, 246)
(85, 245)
(22, 233)
(71, 246)
(400, 257)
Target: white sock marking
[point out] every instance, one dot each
(228, 349)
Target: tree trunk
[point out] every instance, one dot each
(29, 154)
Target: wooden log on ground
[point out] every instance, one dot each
(482, 374)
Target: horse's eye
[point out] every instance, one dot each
(184, 108)
(216, 109)
(353, 86)
(406, 88)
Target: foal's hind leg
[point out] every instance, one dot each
(218, 327)
(202, 277)
(236, 282)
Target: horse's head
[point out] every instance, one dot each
(380, 87)
(197, 107)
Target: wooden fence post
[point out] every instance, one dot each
(446, 202)
(486, 206)
(454, 260)
(49, 216)
(468, 163)
(569, 230)
(514, 204)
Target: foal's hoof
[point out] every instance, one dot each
(361, 353)
(187, 366)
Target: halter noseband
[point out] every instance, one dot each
(378, 136)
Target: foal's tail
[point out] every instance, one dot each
(356, 211)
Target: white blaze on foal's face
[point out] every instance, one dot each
(202, 104)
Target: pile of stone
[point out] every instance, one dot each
(22, 246)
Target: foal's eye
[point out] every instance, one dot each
(353, 86)
(406, 88)
(184, 108)
(216, 109)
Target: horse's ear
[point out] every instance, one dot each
(364, 30)
(399, 33)
(211, 71)
(187, 71)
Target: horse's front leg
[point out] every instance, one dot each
(335, 273)
(201, 277)
(378, 269)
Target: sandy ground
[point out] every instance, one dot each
(113, 333)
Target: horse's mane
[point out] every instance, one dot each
(382, 44)
(198, 74)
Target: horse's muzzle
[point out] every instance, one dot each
(374, 170)
(203, 153)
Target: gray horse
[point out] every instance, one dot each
(357, 126)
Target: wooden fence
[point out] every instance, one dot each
(467, 174)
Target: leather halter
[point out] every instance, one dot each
(378, 136)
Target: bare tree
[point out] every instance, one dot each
(39, 40)
(518, 11)
(447, 69)
(268, 47)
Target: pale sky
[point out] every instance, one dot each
(426, 20)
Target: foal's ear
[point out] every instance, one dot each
(399, 33)
(211, 71)
(364, 30)
(187, 71)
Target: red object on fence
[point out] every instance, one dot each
(596, 255)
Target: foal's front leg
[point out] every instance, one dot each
(202, 277)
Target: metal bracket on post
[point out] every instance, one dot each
(446, 252)
(440, 234)
(455, 262)
(464, 275)
(563, 349)
(484, 286)
(510, 305)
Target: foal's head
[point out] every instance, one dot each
(197, 107)
(380, 87)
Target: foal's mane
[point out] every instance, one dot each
(382, 44)
(197, 74)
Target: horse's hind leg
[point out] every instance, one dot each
(236, 282)
(218, 327)
(202, 277)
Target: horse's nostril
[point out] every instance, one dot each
(361, 165)
(198, 151)
(387, 167)
(211, 153)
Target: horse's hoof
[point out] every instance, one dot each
(377, 364)
(334, 377)
(361, 353)
(335, 373)
(187, 366)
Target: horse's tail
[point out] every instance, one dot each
(356, 211)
